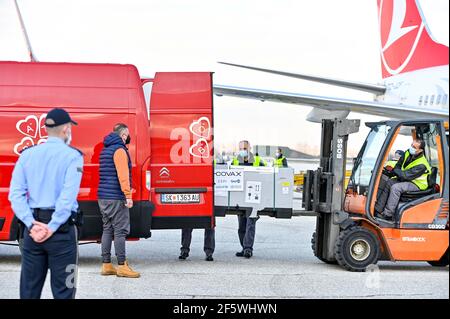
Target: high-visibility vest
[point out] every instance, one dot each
(391, 163)
(279, 161)
(257, 161)
(421, 181)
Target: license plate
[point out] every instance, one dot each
(180, 198)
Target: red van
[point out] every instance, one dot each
(172, 137)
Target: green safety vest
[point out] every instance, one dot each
(391, 163)
(257, 161)
(278, 162)
(421, 181)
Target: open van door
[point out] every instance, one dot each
(181, 165)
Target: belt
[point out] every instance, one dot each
(44, 215)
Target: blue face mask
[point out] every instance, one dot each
(243, 153)
(412, 151)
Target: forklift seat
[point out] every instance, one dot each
(432, 188)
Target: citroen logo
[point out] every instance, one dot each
(164, 172)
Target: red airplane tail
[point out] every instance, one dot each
(406, 43)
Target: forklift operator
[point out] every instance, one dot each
(410, 174)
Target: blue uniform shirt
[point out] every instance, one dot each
(46, 176)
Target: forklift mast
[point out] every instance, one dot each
(324, 188)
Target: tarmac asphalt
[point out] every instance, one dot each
(283, 266)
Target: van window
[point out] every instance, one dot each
(147, 87)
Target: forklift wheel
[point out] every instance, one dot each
(357, 248)
(443, 262)
(313, 246)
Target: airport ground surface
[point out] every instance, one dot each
(283, 266)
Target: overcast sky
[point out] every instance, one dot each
(323, 37)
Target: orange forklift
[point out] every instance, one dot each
(348, 231)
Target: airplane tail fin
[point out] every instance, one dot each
(406, 43)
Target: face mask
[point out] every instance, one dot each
(412, 151)
(128, 140)
(277, 154)
(68, 139)
(243, 153)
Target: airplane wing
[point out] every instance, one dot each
(333, 104)
(367, 87)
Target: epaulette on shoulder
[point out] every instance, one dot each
(76, 149)
(26, 148)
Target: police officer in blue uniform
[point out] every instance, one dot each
(43, 191)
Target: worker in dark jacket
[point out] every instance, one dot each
(115, 200)
(411, 174)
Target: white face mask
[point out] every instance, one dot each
(243, 153)
(68, 139)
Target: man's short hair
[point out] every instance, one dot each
(244, 142)
(119, 128)
(421, 143)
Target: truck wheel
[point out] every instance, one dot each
(443, 262)
(356, 248)
(313, 246)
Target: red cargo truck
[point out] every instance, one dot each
(172, 137)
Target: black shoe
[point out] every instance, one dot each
(209, 258)
(240, 254)
(183, 256)
(248, 254)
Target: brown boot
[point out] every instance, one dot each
(125, 271)
(108, 269)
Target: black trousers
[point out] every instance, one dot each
(209, 241)
(384, 190)
(247, 231)
(59, 253)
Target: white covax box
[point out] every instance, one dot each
(255, 190)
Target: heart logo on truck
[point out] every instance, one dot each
(200, 149)
(201, 127)
(29, 126)
(42, 131)
(25, 143)
(33, 127)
